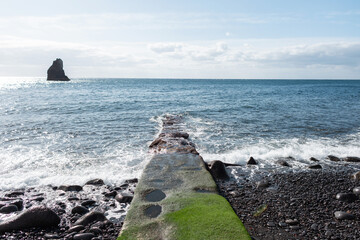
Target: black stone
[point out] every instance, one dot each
(218, 171)
(333, 158)
(251, 161)
(314, 159)
(343, 215)
(80, 210)
(124, 198)
(74, 188)
(346, 197)
(9, 208)
(38, 216)
(283, 163)
(96, 182)
(356, 190)
(316, 166)
(262, 184)
(352, 159)
(56, 71)
(83, 236)
(90, 217)
(76, 228)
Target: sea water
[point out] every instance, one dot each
(70, 132)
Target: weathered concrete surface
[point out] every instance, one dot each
(176, 197)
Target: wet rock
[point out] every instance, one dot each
(90, 217)
(333, 158)
(74, 188)
(79, 210)
(14, 194)
(356, 190)
(262, 184)
(38, 199)
(133, 180)
(96, 182)
(343, 215)
(88, 202)
(314, 226)
(124, 198)
(153, 211)
(352, 159)
(95, 230)
(314, 159)
(73, 199)
(39, 216)
(56, 71)
(251, 161)
(180, 135)
(282, 224)
(19, 203)
(316, 166)
(51, 236)
(346, 197)
(218, 171)
(9, 209)
(83, 236)
(111, 194)
(76, 228)
(283, 163)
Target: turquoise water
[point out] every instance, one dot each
(59, 133)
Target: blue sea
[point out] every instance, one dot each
(70, 132)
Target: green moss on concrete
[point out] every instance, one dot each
(206, 216)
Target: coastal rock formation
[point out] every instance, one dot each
(56, 71)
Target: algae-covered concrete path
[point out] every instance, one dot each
(176, 197)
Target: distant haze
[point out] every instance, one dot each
(182, 39)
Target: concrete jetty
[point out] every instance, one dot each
(176, 197)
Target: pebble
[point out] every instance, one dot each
(88, 202)
(111, 194)
(124, 198)
(283, 163)
(9, 209)
(282, 224)
(90, 217)
(346, 197)
(83, 236)
(271, 224)
(316, 166)
(95, 182)
(51, 236)
(80, 210)
(314, 159)
(295, 227)
(356, 190)
(340, 215)
(333, 158)
(314, 226)
(76, 228)
(74, 188)
(292, 221)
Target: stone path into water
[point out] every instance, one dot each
(176, 197)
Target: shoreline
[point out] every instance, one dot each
(295, 205)
(94, 210)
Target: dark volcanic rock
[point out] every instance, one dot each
(124, 198)
(343, 215)
(84, 236)
(38, 216)
(283, 163)
(352, 159)
(80, 210)
(218, 171)
(346, 197)
(90, 217)
(66, 188)
(251, 161)
(333, 158)
(314, 159)
(96, 182)
(316, 166)
(9, 208)
(56, 71)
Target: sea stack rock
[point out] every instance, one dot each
(56, 71)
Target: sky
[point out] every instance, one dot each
(278, 39)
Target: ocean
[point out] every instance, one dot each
(70, 132)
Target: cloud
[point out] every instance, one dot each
(326, 54)
(165, 47)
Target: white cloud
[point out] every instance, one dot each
(165, 47)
